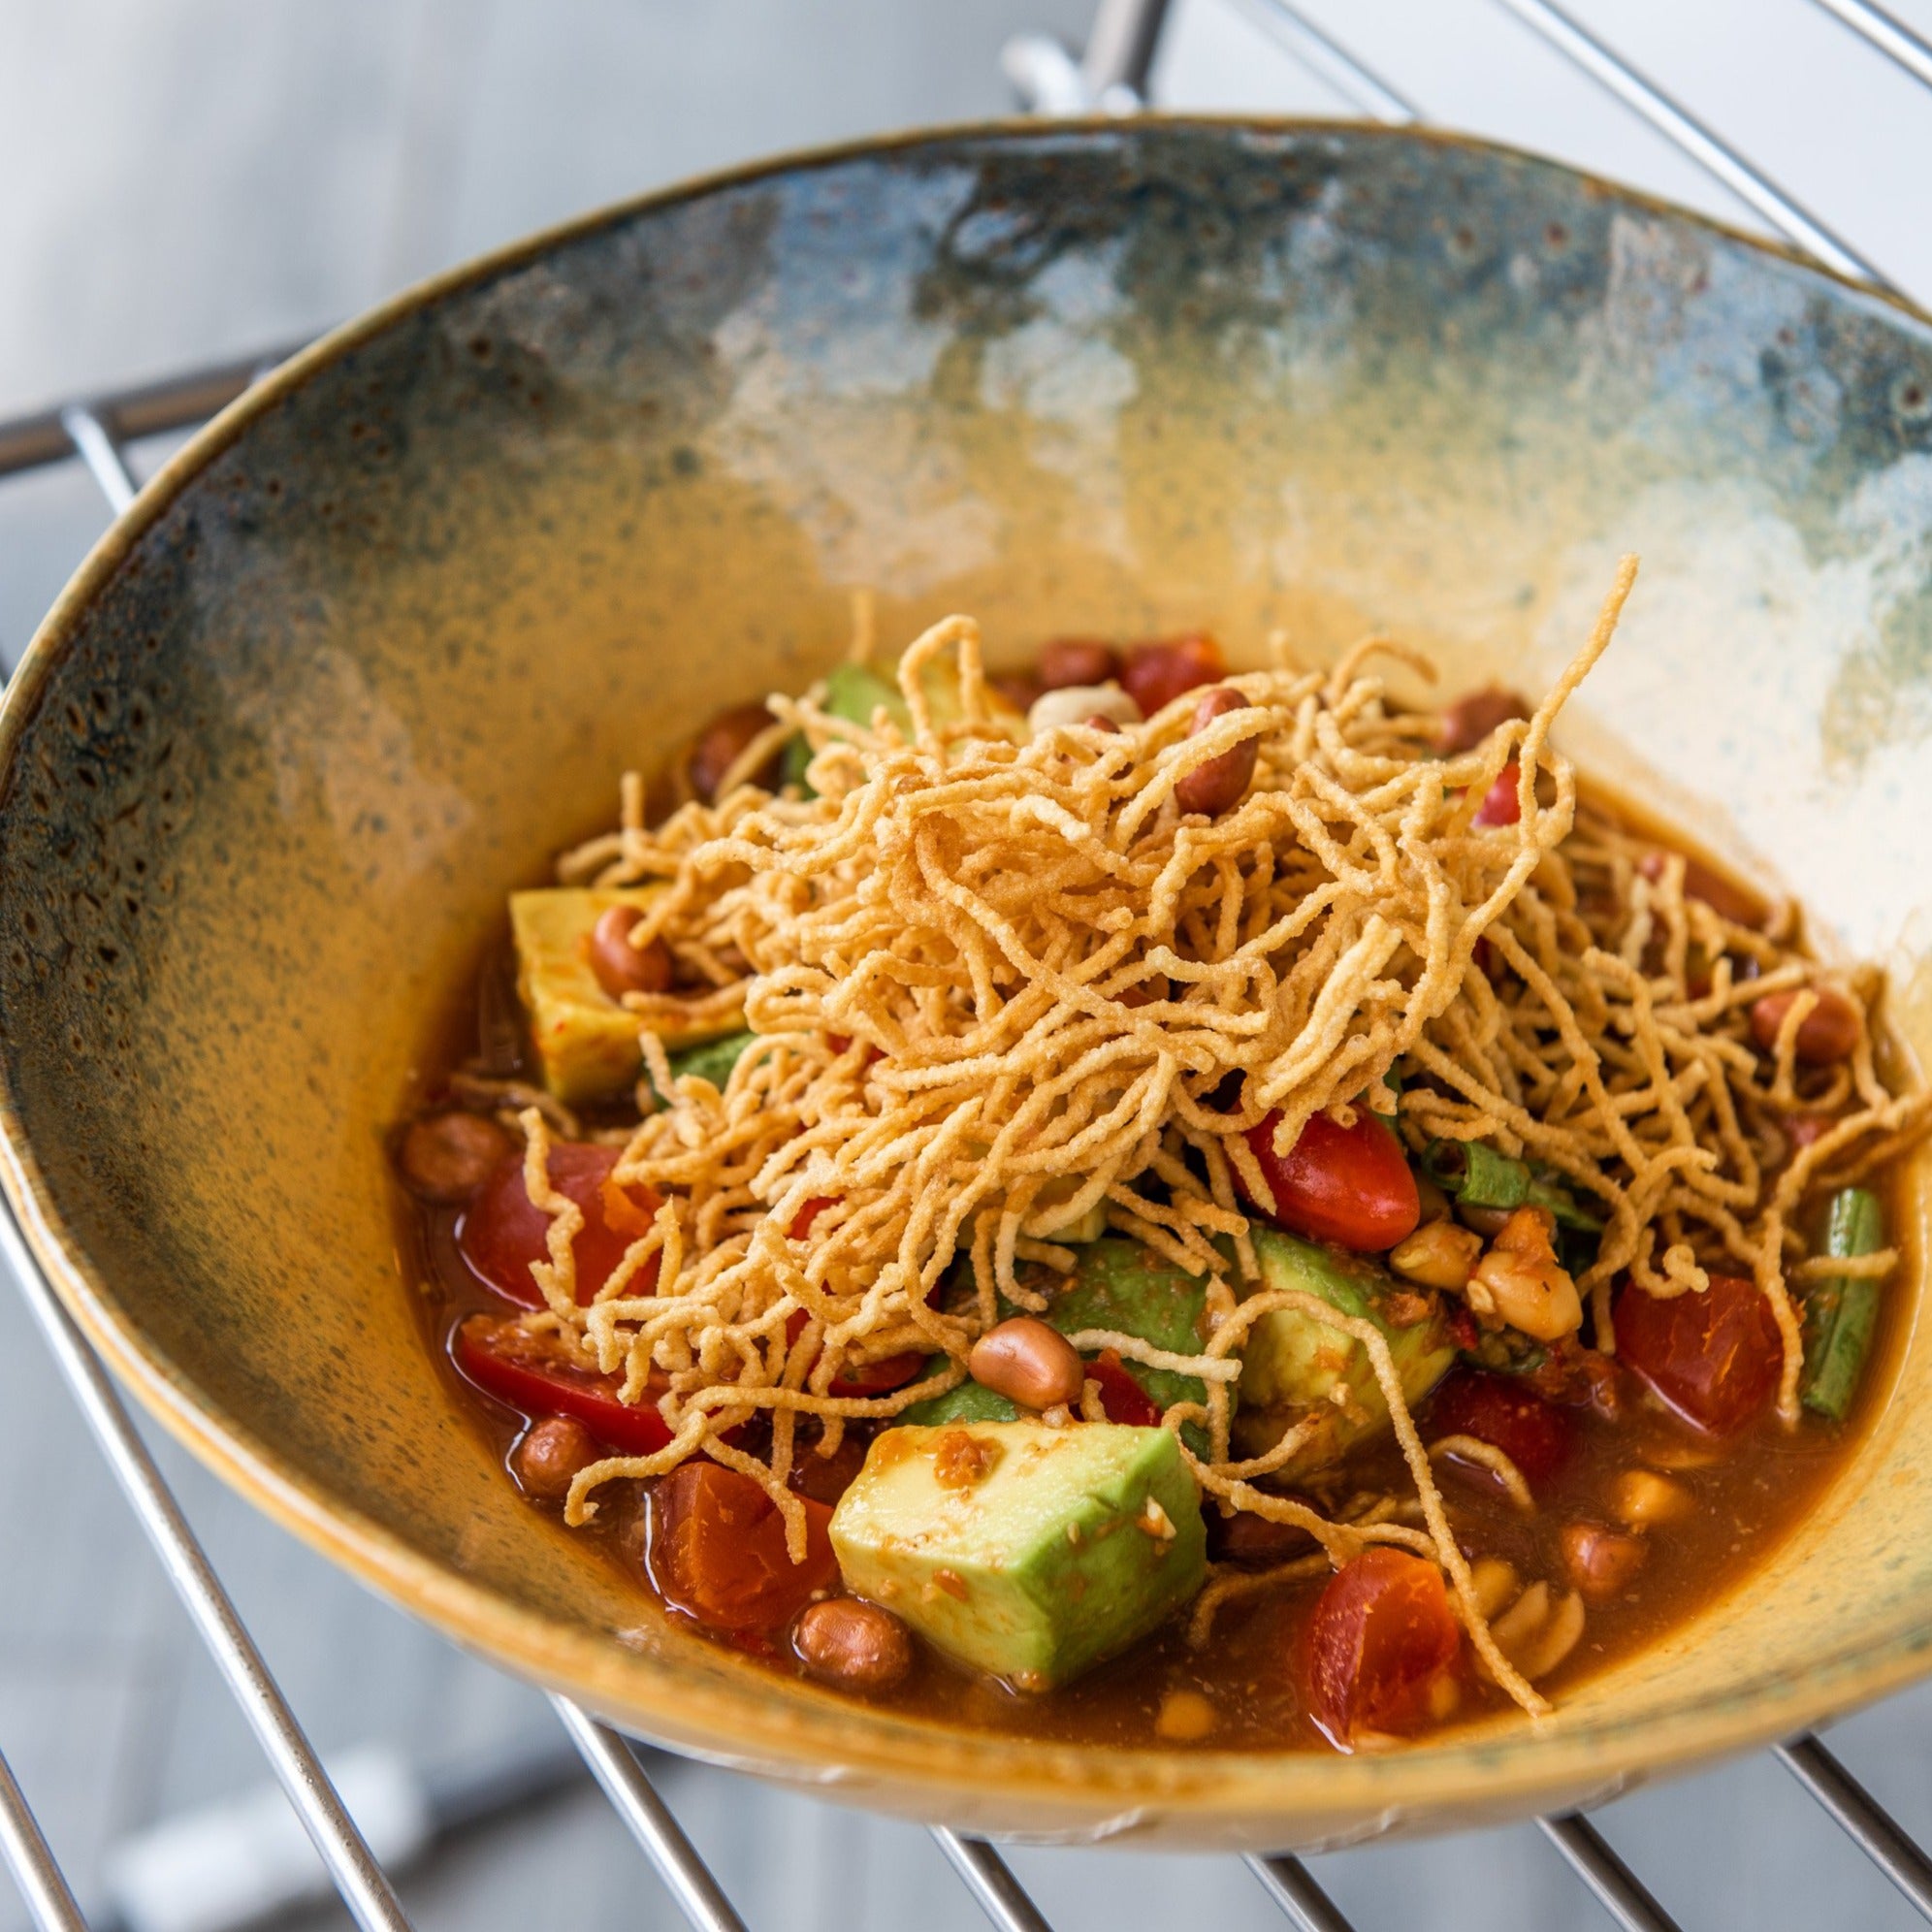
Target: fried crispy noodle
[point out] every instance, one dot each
(996, 985)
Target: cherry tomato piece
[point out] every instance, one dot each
(1501, 806)
(1156, 674)
(532, 1373)
(1350, 1185)
(1716, 1358)
(1535, 1434)
(717, 1550)
(1120, 1396)
(1381, 1634)
(505, 1231)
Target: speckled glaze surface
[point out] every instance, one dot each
(384, 637)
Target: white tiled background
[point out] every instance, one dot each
(183, 179)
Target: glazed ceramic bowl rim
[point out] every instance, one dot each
(810, 1733)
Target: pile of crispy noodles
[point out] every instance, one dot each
(996, 983)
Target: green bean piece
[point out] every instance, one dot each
(1477, 1176)
(1841, 1311)
(712, 1060)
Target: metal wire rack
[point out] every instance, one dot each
(1110, 74)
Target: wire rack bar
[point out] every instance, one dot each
(25, 1852)
(1868, 1824)
(98, 449)
(1644, 97)
(615, 1766)
(1618, 1889)
(1120, 49)
(143, 410)
(1885, 32)
(1292, 1887)
(1330, 63)
(989, 1879)
(354, 1871)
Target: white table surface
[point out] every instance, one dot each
(186, 179)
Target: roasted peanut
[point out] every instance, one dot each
(851, 1642)
(551, 1453)
(1077, 661)
(1020, 689)
(1213, 787)
(446, 1157)
(723, 743)
(1640, 1499)
(1438, 1254)
(1028, 1363)
(1494, 1582)
(620, 967)
(1600, 1562)
(1826, 1033)
(1521, 1281)
(1475, 715)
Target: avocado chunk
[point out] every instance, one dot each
(1293, 1365)
(1029, 1552)
(586, 1040)
(1116, 1284)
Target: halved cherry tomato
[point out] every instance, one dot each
(503, 1231)
(1156, 674)
(1536, 1435)
(1350, 1185)
(717, 1550)
(1120, 1396)
(1380, 1636)
(1715, 1357)
(1501, 806)
(532, 1373)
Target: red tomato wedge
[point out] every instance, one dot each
(1350, 1185)
(1715, 1357)
(717, 1551)
(531, 1373)
(1535, 1434)
(1381, 1634)
(1502, 805)
(503, 1231)
(1120, 1396)
(1156, 674)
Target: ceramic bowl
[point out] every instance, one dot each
(385, 635)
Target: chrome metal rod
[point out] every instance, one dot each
(25, 1852)
(615, 1766)
(1612, 72)
(1865, 1822)
(354, 1871)
(1618, 1889)
(146, 409)
(989, 1879)
(1888, 34)
(1292, 1887)
(1329, 62)
(102, 455)
(1121, 45)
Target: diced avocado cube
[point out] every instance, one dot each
(1293, 1365)
(1029, 1552)
(854, 691)
(586, 1040)
(1117, 1283)
(713, 1060)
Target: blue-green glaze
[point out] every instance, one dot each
(385, 635)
